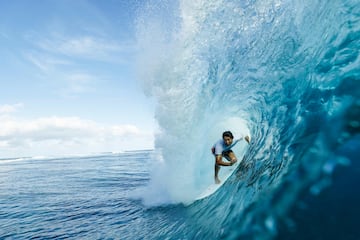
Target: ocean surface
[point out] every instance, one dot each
(287, 73)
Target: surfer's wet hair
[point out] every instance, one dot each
(228, 134)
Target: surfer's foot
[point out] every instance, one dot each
(217, 180)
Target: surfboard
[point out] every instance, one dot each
(224, 173)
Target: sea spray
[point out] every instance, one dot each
(190, 120)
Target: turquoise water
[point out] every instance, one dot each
(285, 72)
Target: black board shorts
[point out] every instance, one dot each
(225, 154)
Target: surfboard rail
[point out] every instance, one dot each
(224, 174)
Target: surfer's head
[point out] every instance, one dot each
(228, 137)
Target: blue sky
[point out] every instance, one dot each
(68, 78)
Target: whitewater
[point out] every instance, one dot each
(285, 72)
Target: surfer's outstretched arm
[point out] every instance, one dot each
(246, 138)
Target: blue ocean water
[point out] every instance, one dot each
(72, 197)
(285, 72)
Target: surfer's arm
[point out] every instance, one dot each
(220, 162)
(246, 138)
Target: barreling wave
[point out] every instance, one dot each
(286, 72)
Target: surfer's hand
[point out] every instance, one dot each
(247, 138)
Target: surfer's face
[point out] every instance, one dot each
(227, 141)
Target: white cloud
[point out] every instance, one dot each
(64, 60)
(67, 135)
(124, 130)
(86, 46)
(70, 82)
(44, 61)
(78, 83)
(7, 108)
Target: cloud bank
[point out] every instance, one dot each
(65, 136)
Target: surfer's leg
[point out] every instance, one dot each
(217, 168)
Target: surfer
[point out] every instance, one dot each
(222, 148)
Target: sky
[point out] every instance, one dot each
(68, 82)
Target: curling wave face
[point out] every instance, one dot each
(286, 72)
